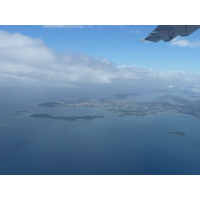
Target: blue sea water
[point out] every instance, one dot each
(128, 145)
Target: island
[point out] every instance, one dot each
(123, 107)
(178, 133)
(73, 118)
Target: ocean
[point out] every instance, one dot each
(128, 145)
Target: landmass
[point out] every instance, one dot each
(164, 104)
(178, 133)
(65, 102)
(73, 118)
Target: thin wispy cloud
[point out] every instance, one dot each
(184, 43)
(67, 26)
(170, 86)
(131, 31)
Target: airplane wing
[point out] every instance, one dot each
(169, 32)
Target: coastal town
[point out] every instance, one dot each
(123, 106)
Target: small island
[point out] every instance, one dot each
(177, 133)
(73, 118)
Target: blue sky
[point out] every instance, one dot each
(119, 44)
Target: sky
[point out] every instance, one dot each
(74, 56)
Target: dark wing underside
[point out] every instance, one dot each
(169, 32)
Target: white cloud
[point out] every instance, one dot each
(184, 43)
(170, 86)
(195, 90)
(41, 66)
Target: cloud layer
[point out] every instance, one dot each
(184, 43)
(28, 62)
